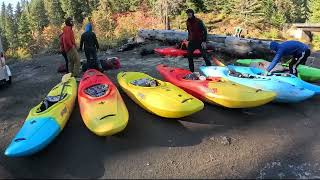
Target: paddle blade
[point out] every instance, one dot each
(66, 77)
(217, 62)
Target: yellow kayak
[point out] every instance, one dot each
(217, 90)
(101, 106)
(46, 120)
(164, 99)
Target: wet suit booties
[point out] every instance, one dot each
(299, 52)
(197, 33)
(90, 43)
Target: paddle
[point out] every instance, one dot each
(64, 80)
(217, 62)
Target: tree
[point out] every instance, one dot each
(250, 11)
(55, 13)
(38, 15)
(218, 6)
(11, 28)
(102, 21)
(315, 11)
(196, 5)
(18, 12)
(300, 11)
(3, 16)
(24, 31)
(167, 8)
(74, 8)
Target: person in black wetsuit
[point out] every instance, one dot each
(91, 45)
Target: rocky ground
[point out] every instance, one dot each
(271, 141)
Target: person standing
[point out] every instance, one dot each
(197, 37)
(91, 45)
(69, 46)
(64, 54)
(298, 50)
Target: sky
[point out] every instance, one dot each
(13, 2)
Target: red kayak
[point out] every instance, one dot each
(101, 106)
(174, 52)
(216, 90)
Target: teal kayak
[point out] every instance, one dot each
(306, 73)
(285, 77)
(286, 93)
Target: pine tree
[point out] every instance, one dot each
(250, 11)
(196, 5)
(18, 12)
(38, 15)
(315, 11)
(10, 30)
(24, 31)
(3, 16)
(74, 8)
(103, 23)
(218, 6)
(55, 13)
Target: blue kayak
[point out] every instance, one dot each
(286, 93)
(291, 79)
(33, 136)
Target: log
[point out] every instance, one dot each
(239, 47)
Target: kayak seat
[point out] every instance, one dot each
(145, 82)
(49, 101)
(97, 90)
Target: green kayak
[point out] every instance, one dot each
(306, 73)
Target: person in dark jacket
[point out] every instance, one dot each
(298, 50)
(64, 54)
(91, 45)
(197, 37)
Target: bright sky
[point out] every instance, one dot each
(13, 2)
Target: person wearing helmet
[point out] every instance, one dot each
(197, 37)
(298, 50)
(69, 46)
(91, 45)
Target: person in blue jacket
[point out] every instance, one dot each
(298, 50)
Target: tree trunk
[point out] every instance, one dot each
(239, 47)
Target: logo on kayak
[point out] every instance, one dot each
(64, 111)
(142, 96)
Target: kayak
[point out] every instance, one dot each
(174, 52)
(286, 93)
(285, 77)
(101, 106)
(306, 73)
(164, 99)
(46, 120)
(216, 90)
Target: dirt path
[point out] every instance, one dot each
(272, 141)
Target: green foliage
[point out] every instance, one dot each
(10, 28)
(196, 5)
(250, 11)
(273, 33)
(38, 16)
(24, 31)
(77, 9)
(218, 6)
(315, 11)
(55, 13)
(316, 42)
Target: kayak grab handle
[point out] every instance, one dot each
(186, 100)
(20, 139)
(110, 115)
